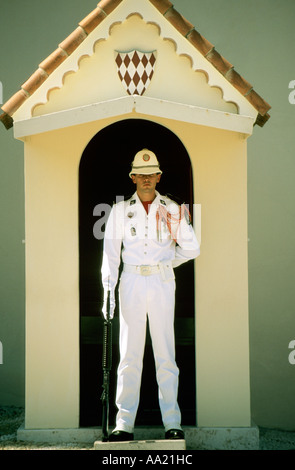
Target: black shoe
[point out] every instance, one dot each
(119, 436)
(174, 434)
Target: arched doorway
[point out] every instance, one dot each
(103, 176)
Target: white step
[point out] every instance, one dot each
(159, 444)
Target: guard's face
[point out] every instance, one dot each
(146, 183)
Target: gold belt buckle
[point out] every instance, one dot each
(145, 270)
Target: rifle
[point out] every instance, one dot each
(106, 366)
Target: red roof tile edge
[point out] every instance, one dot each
(90, 22)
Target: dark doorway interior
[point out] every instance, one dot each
(103, 175)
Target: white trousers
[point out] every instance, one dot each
(142, 297)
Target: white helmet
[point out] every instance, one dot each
(145, 163)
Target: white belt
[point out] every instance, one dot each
(143, 270)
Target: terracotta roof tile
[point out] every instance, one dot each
(73, 40)
(219, 62)
(261, 120)
(178, 21)
(6, 120)
(108, 5)
(238, 82)
(14, 102)
(162, 5)
(90, 22)
(53, 61)
(258, 103)
(199, 42)
(35, 81)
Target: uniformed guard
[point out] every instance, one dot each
(153, 235)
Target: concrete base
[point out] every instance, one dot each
(195, 438)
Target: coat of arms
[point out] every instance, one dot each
(135, 70)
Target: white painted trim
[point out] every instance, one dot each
(140, 105)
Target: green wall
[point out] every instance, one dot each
(258, 38)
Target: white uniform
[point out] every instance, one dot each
(150, 247)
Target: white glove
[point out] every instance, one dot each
(112, 304)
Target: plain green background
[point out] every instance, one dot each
(258, 38)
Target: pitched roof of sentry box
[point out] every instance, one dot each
(90, 22)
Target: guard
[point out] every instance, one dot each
(153, 235)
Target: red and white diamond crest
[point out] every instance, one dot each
(136, 70)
